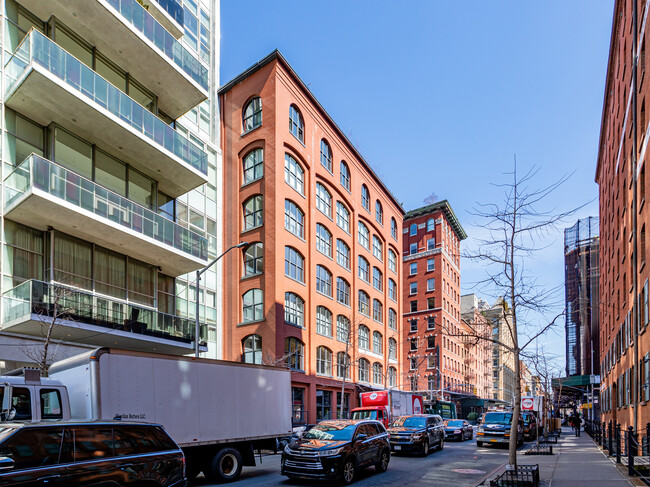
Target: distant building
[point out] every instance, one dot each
(499, 316)
(478, 345)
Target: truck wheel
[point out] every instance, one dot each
(225, 466)
(479, 443)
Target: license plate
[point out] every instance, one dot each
(397, 447)
(494, 441)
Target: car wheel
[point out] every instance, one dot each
(479, 443)
(442, 443)
(382, 464)
(425, 448)
(348, 472)
(225, 466)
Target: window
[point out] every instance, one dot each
(392, 348)
(377, 247)
(323, 200)
(296, 125)
(294, 219)
(342, 363)
(431, 322)
(254, 259)
(253, 212)
(431, 284)
(414, 344)
(364, 236)
(377, 343)
(345, 175)
(342, 254)
(377, 311)
(413, 248)
(294, 174)
(323, 240)
(364, 269)
(365, 197)
(392, 261)
(323, 361)
(414, 306)
(364, 370)
(393, 228)
(413, 268)
(342, 329)
(431, 265)
(325, 155)
(431, 243)
(392, 377)
(414, 365)
(51, 404)
(364, 303)
(253, 305)
(377, 373)
(342, 291)
(431, 225)
(294, 350)
(413, 230)
(414, 326)
(413, 288)
(379, 213)
(294, 264)
(252, 114)
(392, 319)
(294, 310)
(431, 341)
(392, 289)
(323, 281)
(364, 337)
(377, 279)
(323, 321)
(252, 345)
(253, 166)
(342, 217)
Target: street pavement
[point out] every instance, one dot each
(459, 464)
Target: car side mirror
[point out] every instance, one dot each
(6, 463)
(361, 437)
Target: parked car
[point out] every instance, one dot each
(530, 425)
(495, 428)
(458, 429)
(337, 449)
(89, 453)
(417, 433)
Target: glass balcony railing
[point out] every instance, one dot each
(65, 303)
(83, 193)
(174, 8)
(39, 49)
(143, 22)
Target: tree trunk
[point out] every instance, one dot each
(516, 408)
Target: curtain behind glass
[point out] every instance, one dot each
(72, 261)
(141, 282)
(110, 273)
(23, 252)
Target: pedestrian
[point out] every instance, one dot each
(575, 421)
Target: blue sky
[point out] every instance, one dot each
(439, 96)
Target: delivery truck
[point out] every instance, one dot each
(218, 412)
(384, 406)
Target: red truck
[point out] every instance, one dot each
(384, 406)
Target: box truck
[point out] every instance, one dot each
(384, 406)
(218, 412)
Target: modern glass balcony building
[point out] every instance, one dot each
(110, 156)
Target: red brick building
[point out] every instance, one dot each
(322, 264)
(433, 350)
(624, 219)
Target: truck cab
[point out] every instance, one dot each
(380, 413)
(28, 397)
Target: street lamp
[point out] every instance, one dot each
(198, 281)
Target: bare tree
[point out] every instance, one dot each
(431, 199)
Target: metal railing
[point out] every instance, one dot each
(627, 445)
(174, 8)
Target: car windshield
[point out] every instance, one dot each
(455, 424)
(498, 418)
(364, 415)
(331, 431)
(409, 422)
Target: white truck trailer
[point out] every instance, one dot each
(218, 412)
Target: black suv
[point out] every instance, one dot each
(336, 449)
(89, 453)
(417, 432)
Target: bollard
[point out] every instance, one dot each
(604, 435)
(630, 451)
(647, 439)
(617, 437)
(609, 437)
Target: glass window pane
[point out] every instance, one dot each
(141, 188)
(73, 153)
(74, 47)
(110, 173)
(113, 76)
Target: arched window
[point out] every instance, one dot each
(392, 377)
(323, 240)
(377, 343)
(365, 197)
(323, 361)
(323, 321)
(377, 247)
(345, 175)
(377, 311)
(252, 346)
(342, 254)
(294, 350)
(294, 310)
(392, 319)
(342, 329)
(392, 261)
(342, 291)
(364, 235)
(254, 259)
(431, 225)
(253, 305)
(379, 212)
(253, 166)
(253, 212)
(342, 365)
(364, 303)
(364, 269)
(392, 348)
(364, 370)
(296, 124)
(393, 228)
(377, 373)
(294, 264)
(364, 337)
(323, 281)
(377, 279)
(326, 155)
(323, 200)
(294, 175)
(294, 219)
(413, 230)
(252, 114)
(392, 289)
(342, 217)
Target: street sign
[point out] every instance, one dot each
(527, 403)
